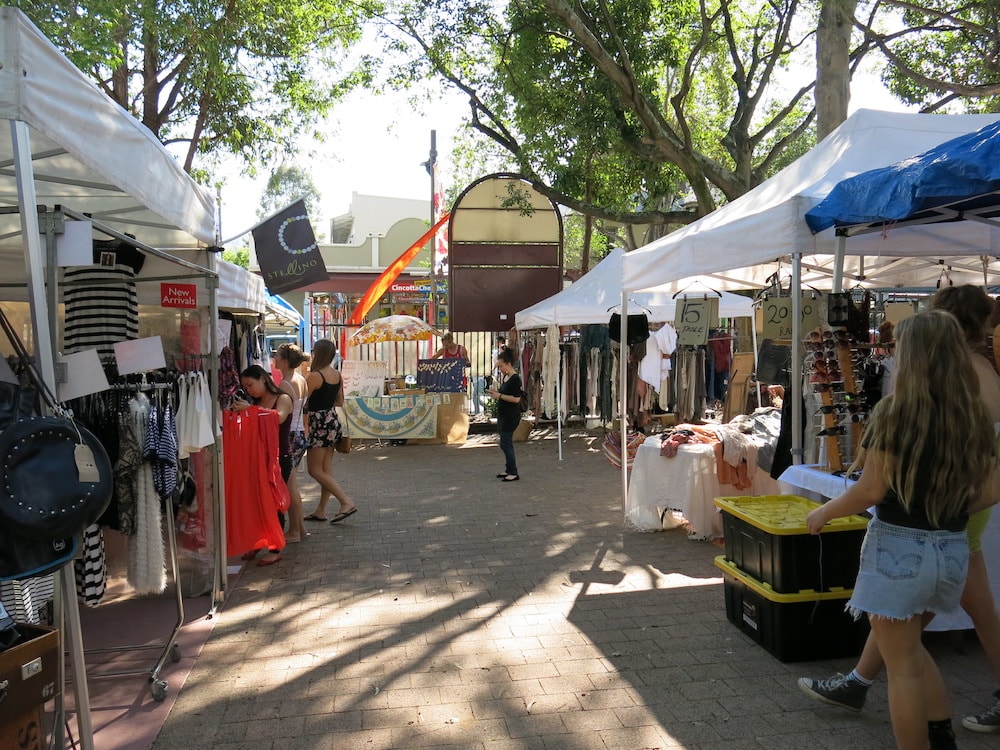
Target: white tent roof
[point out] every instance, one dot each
(590, 299)
(742, 243)
(92, 157)
(88, 153)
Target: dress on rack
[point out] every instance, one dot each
(101, 309)
(255, 491)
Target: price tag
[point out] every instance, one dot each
(693, 317)
(778, 316)
(897, 311)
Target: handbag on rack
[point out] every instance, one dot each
(55, 475)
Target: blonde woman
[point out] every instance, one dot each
(325, 392)
(927, 460)
(973, 309)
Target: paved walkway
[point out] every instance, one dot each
(456, 611)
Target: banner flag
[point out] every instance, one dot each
(287, 253)
(390, 274)
(439, 254)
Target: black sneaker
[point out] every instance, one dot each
(985, 722)
(838, 690)
(941, 737)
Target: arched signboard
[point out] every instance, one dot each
(504, 253)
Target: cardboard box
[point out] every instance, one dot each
(24, 732)
(29, 672)
(807, 626)
(767, 538)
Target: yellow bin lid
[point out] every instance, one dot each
(783, 515)
(765, 590)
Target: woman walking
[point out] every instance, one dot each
(927, 460)
(325, 389)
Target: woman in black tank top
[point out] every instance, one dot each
(326, 392)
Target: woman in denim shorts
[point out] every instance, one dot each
(928, 461)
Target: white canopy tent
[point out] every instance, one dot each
(69, 152)
(741, 244)
(590, 299)
(744, 243)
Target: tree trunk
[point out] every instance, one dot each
(833, 73)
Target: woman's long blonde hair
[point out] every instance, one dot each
(934, 430)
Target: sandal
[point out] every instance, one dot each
(313, 517)
(344, 514)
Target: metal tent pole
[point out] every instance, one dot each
(796, 358)
(45, 359)
(623, 395)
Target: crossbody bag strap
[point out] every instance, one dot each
(33, 375)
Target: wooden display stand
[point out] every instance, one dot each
(834, 459)
(740, 374)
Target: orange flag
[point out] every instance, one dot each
(389, 275)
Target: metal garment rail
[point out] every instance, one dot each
(169, 649)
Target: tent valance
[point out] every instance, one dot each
(590, 299)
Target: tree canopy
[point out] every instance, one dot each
(249, 78)
(649, 112)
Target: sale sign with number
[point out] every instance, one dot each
(778, 316)
(693, 317)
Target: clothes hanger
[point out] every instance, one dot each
(710, 289)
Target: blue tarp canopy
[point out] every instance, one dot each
(278, 307)
(957, 180)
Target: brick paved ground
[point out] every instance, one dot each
(456, 611)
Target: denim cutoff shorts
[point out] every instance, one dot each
(906, 572)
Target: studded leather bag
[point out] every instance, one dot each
(55, 475)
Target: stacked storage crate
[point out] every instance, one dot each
(785, 587)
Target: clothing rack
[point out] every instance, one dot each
(169, 648)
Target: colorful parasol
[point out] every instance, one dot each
(393, 328)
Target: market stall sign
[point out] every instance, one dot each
(778, 316)
(179, 295)
(898, 311)
(693, 317)
(440, 375)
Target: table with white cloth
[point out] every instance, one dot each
(817, 483)
(687, 483)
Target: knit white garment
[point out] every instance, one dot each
(147, 571)
(550, 370)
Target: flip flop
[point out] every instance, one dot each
(313, 517)
(344, 514)
(511, 478)
(270, 559)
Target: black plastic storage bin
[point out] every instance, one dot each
(805, 626)
(766, 537)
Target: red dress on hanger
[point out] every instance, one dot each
(255, 491)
